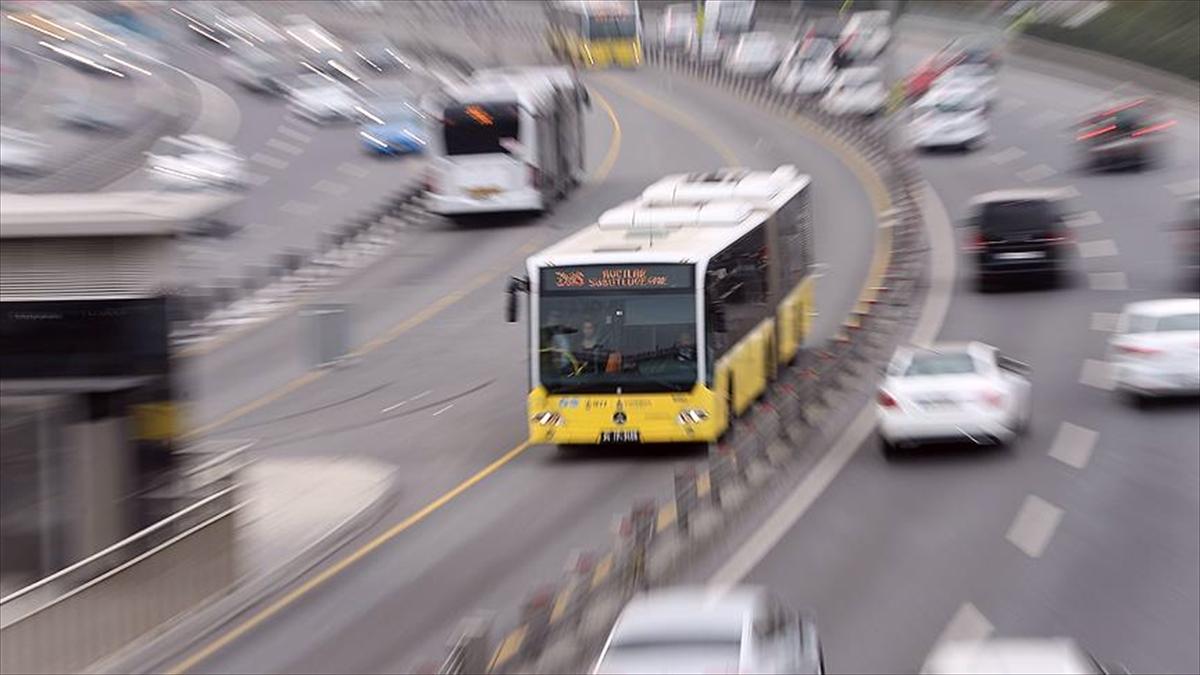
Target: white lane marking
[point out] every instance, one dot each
(1096, 373)
(352, 170)
(330, 188)
(1073, 445)
(1097, 248)
(1085, 219)
(1108, 281)
(1105, 322)
(296, 208)
(1035, 173)
(967, 625)
(257, 179)
(283, 146)
(410, 399)
(268, 160)
(1183, 188)
(299, 136)
(442, 410)
(1034, 525)
(942, 273)
(1008, 155)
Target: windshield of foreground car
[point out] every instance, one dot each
(955, 363)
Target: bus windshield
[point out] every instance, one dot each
(479, 128)
(599, 341)
(611, 27)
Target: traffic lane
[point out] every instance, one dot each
(371, 627)
(844, 221)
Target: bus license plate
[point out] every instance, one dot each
(620, 437)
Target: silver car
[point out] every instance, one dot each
(699, 630)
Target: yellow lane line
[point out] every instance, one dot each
(561, 602)
(703, 484)
(508, 647)
(614, 144)
(329, 572)
(666, 517)
(603, 568)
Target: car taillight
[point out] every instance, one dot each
(1056, 238)
(993, 398)
(1138, 350)
(1152, 129)
(1095, 132)
(976, 243)
(886, 400)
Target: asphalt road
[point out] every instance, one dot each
(444, 398)
(1087, 527)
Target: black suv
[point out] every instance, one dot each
(1019, 234)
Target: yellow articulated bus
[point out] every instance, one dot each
(596, 33)
(669, 316)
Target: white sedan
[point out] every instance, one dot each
(949, 117)
(952, 392)
(1155, 350)
(321, 99)
(856, 91)
(754, 55)
(1014, 657)
(976, 76)
(698, 630)
(808, 71)
(194, 161)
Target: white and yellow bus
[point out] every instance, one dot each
(596, 33)
(669, 316)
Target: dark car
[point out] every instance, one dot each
(1019, 235)
(1125, 134)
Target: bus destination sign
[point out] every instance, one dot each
(617, 277)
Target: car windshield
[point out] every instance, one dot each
(611, 27)
(479, 128)
(952, 105)
(1018, 216)
(952, 363)
(1189, 321)
(602, 340)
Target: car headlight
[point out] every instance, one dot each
(691, 416)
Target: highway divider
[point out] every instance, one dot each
(562, 625)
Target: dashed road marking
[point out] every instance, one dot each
(283, 146)
(967, 625)
(330, 188)
(1035, 173)
(1183, 188)
(299, 136)
(1034, 526)
(352, 170)
(296, 208)
(1085, 219)
(410, 399)
(1096, 373)
(1073, 445)
(1108, 281)
(1097, 248)
(442, 410)
(1105, 322)
(268, 160)
(1007, 155)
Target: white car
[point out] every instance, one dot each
(194, 161)
(856, 91)
(866, 35)
(754, 55)
(697, 630)
(1013, 657)
(949, 117)
(808, 71)
(1155, 350)
(706, 48)
(678, 24)
(976, 76)
(322, 100)
(21, 152)
(952, 392)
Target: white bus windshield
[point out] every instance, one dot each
(479, 128)
(611, 27)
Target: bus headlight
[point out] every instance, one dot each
(548, 418)
(691, 416)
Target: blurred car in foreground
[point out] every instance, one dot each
(856, 91)
(866, 35)
(394, 127)
(706, 48)
(22, 152)
(193, 161)
(808, 70)
(1155, 350)
(754, 55)
(952, 392)
(319, 99)
(825, 28)
(949, 117)
(976, 76)
(1125, 134)
(922, 77)
(678, 24)
(1019, 234)
(258, 70)
(1059, 656)
(92, 115)
(693, 630)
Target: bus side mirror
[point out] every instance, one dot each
(515, 285)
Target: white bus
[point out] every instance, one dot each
(510, 140)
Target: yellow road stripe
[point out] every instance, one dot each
(508, 648)
(561, 601)
(326, 574)
(703, 483)
(666, 517)
(614, 145)
(602, 570)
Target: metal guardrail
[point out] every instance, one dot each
(561, 624)
(88, 611)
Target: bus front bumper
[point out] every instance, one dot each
(504, 202)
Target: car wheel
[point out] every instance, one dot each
(1137, 399)
(889, 449)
